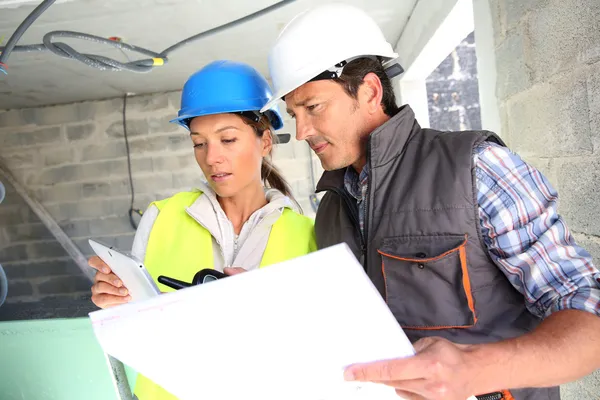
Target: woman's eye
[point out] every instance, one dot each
(198, 145)
(228, 141)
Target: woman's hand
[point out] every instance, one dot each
(108, 290)
(233, 270)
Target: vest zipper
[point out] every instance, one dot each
(366, 204)
(490, 396)
(351, 208)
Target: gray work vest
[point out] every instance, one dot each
(423, 247)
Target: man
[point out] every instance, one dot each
(460, 235)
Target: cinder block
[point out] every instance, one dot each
(162, 125)
(48, 249)
(56, 156)
(101, 109)
(15, 252)
(175, 162)
(517, 10)
(155, 144)
(550, 120)
(153, 183)
(19, 159)
(80, 131)
(110, 226)
(586, 388)
(37, 269)
(146, 103)
(28, 232)
(28, 215)
(135, 127)
(563, 34)
(90, 171)
(498, 20)
(513, 73)
(19, 288)
(65, 284)
(119, 187)
(10, 214)
(52, 176)
(107, 151)
(59, 193)
(36, 137)
(593, 89)
(55, 115)
(124, 242)
(579, 182)
(77, 228)
(67, 211)
(10, 118)
(174, 100)
(186, 181)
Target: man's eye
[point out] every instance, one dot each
(312, 107)
(198, 145)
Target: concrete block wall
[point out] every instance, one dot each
(548, 87)
(73, 159)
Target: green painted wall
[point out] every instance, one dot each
(53, 359)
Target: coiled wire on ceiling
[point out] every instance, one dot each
(143, 65)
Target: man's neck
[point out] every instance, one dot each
(376, 122)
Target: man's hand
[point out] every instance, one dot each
(440, 370)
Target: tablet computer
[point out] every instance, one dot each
(129, 269)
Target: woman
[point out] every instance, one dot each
(232, 219)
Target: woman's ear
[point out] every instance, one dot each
(266, 142)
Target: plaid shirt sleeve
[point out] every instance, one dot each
(526, 237)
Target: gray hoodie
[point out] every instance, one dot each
(245, 250)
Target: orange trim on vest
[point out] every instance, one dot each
(462, 252)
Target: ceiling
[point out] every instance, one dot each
(42, 78)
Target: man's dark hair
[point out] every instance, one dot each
(354, 74)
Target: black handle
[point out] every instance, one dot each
(173, 283)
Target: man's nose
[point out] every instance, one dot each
(304, 128)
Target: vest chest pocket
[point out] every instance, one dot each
(427, 282)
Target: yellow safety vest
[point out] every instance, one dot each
(179, 247)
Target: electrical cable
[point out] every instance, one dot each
(131, 209)
(105, 63)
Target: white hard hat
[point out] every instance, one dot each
(319, 39)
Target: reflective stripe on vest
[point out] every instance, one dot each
(179, 247)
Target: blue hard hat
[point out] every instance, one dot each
(226, 87)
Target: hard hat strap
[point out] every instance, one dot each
(251, 115)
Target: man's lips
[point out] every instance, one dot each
(319, 148)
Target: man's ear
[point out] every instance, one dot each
(372, 92)
(267, 142)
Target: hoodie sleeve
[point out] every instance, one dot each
(142, 234)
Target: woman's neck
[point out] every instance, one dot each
(240, 207)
